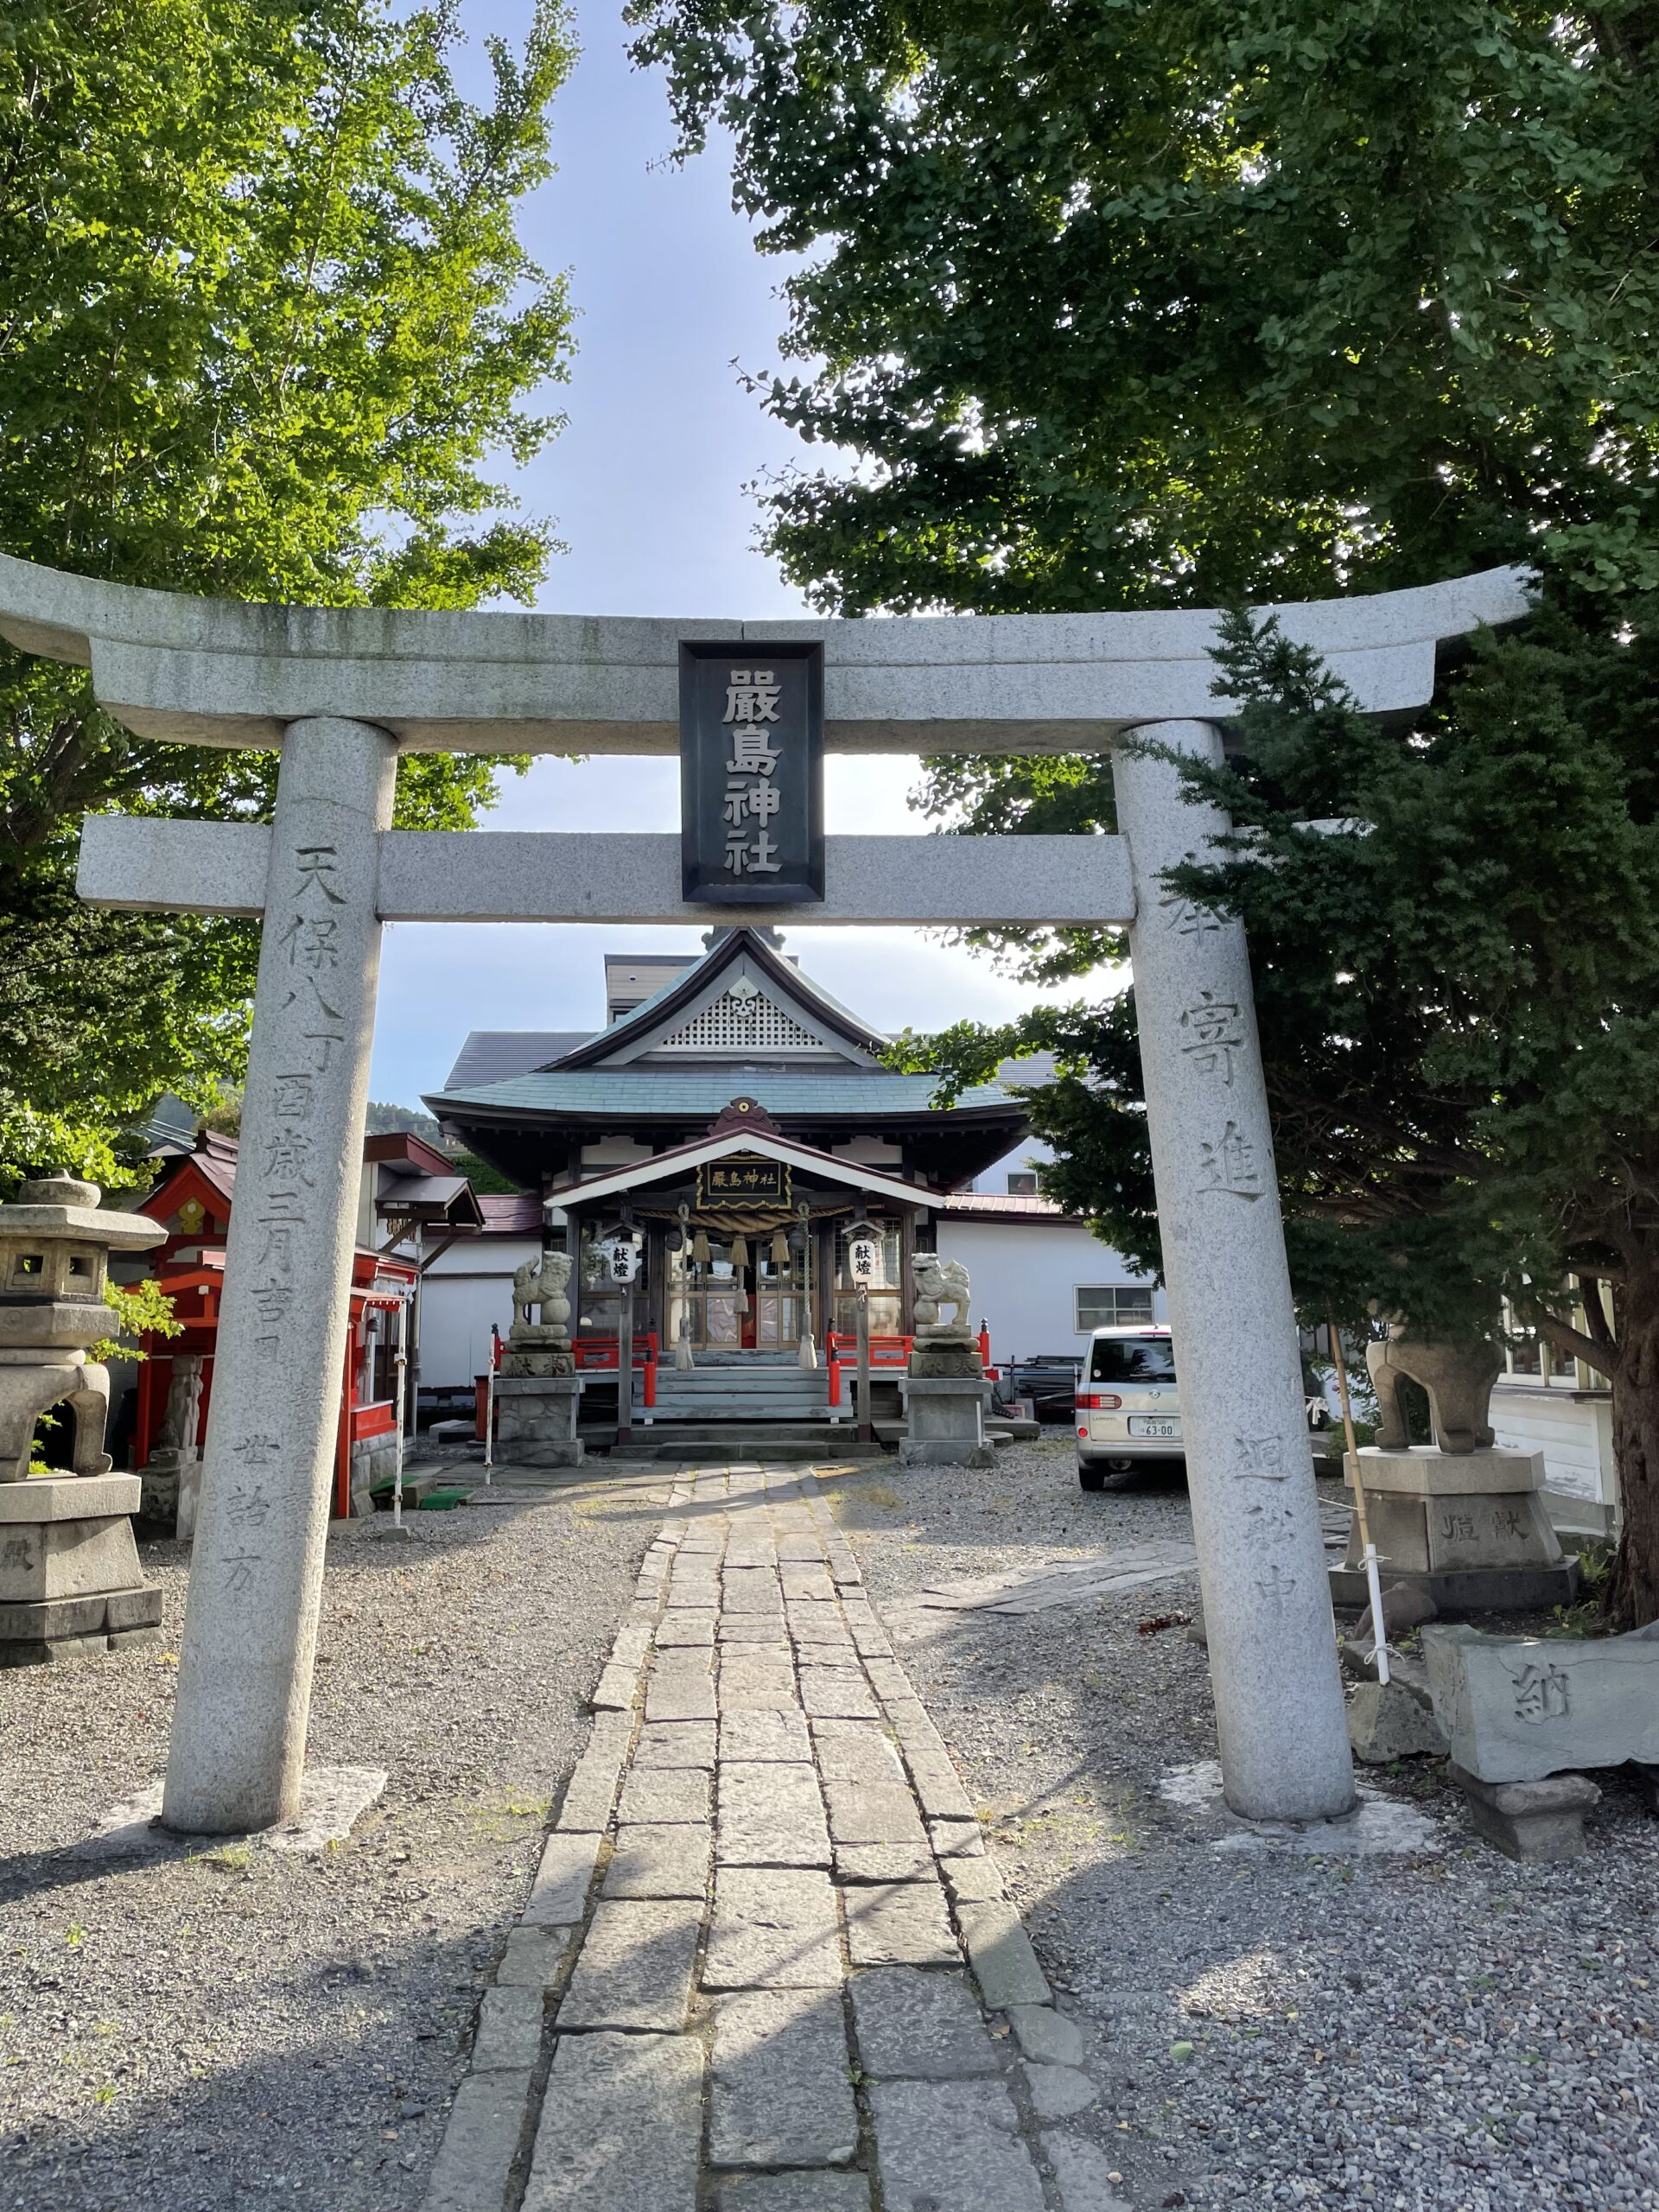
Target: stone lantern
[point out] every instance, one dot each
(70, 1582)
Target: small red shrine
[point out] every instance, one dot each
(192, 1202)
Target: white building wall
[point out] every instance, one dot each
(1025, 1275)
(463, 1293)
(994, 1179)
(1573, 1430)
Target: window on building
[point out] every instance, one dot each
(1113, 1306)
(1022, 1182)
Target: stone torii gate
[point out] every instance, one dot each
(341, 692)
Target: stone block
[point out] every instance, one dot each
(857, 1750)
(1000, 1953)
(899, 1923)
(653, 1796)
(480, 2140)
(824, 2191)
(779, 1734)
(773, 1929)
(534, 1957)
(675, 1744)
(617, 1688)
(770, 1814)
(952, 2144)
(918, 2025)
(558, 1896)
(883, 1862)
(1530, 1820)
(54, 1619)
(66, 1558)
(679, 1697)
(621, 2126)
(635, 1967)
(944, 1418)
(1385, 1723)
(749, 1590)
(1432, 1473)
(938, 1791)
(780, 2092)
(134, 1608)
(591, 1791)
(135, 1639)
(1046, 2036)
(509, 2037)
(69, 1497)
(1517, 1708)
(862, 1812)
(1058, 2092)
(757, 1682)
(689, 1631)
(666, 1860)
(837, 1692)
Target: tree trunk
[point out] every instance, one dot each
(1633, 1601)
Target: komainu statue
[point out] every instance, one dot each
(1458, 1379)
(542, 1284)
(939, 1282)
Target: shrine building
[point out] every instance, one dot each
(735, 1118)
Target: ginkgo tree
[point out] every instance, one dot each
(266, 324)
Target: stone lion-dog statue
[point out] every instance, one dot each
(939, 1282)
(541, 1284)
(1458, 1379)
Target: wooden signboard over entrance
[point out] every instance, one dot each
(743, 1179)
(752, 773)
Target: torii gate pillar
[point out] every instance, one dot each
(1266, 1598)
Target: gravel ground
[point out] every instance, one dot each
(1442, 2032)
(242, 2029)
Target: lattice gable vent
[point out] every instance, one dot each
(744, 1017)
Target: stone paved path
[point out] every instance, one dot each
(767, 1965)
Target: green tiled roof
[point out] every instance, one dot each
(704, 1091)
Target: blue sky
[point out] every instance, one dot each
(647, 488)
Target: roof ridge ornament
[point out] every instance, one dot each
(744, 1113)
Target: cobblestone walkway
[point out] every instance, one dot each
(767, 1965)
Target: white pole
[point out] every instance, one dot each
(401, 1364)
(489, 1409)
(1368, 1550)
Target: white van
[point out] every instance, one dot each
(1130, 1409)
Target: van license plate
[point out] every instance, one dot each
(1144, 1425)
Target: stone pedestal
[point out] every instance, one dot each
(71, 1586)
(1468, 1529)
(1530, 1820)
(170, 1483)
(536, 1416)
(944, 1410)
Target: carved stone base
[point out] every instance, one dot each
(1529, 1820)
(1468, 1528)
(945, 1421)
(536, 1420)
(944, 1355)
(520, 1363)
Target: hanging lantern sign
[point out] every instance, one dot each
(864, 1255)
(622, 1259)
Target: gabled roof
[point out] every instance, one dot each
(493, 1055)
(744, 1137)
(743, 944)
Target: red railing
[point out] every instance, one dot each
(841, 1349)
(379, 1420)
(602, 1352)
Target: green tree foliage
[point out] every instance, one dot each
(1128, 302)
(264, 317)
(1123, 305)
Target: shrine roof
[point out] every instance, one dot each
(704, 1091)
(492, 1055)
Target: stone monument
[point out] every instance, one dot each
(945, 1391)
(1460, 1521)
(170, 1480)
(70, 1582)
(538, 1390)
